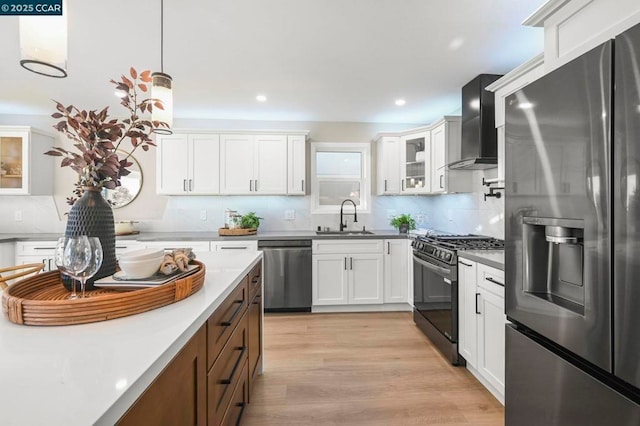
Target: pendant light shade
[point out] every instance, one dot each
(161, 87)
(161, 90)
(43, 44)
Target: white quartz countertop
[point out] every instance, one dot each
(494, 258)
(92, 373)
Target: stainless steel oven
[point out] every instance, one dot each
(435, 286)
(435, 295)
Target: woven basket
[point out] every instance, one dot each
(237, 231)
(43, 300)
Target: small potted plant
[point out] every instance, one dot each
(403, 223)
(249, 221)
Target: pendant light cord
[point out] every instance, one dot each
(162, 36)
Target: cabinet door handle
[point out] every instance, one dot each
(256, 300)
(441, 185)
(190, 184)
(255, 185)
(491, 280)
(235, 313)
(351, 263)
(235, 367)
(403, 184)
(388, 247)
(477, 311)
(345, 263)
(250, 185)
(465, 264)
(302, 185)
(385, 185)
(184, 185)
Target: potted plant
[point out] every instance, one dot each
(403, 223)
(96, 138)
(249, 221)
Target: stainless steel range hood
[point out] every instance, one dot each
(479, 136)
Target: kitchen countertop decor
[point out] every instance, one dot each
(42, 300)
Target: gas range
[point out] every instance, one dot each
(443, 248)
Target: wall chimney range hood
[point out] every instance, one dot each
(479, 137)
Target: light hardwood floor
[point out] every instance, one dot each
(362, 369)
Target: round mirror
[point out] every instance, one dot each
(130, 185)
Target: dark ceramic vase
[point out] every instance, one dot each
(404, 228)
(92, 216)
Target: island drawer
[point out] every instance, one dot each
(255, 280)
(227, 372)
(239, 400)
(224, 320)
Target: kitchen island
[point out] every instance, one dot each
(93, 373)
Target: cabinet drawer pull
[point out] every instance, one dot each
(403, 184)
(477, 311)
(255, 185)
(388, 247)
(302, 186)
(491, 280)
(190, 184)
(255, 280)
(233, 247)
(184, 185)
(256, 300)
(250, 185)
(441, 186)
(235, 367)
(235, 313)
(43, 248)
(465, 264)
(385, 185)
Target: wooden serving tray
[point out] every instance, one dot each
(237, 231)
(42, 300)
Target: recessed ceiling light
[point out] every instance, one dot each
(261, 98)
(400, 102)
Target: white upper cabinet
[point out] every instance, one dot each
(388, 165)
(296, 165)
(236, 164)
(186, 164)
(270, 164)
(415, 161)
(415, 158)
(24, 169)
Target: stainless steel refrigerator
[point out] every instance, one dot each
(572, 270)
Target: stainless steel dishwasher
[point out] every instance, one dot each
(287, 275)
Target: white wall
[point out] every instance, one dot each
(460, 213)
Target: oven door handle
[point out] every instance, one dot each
(437, 269)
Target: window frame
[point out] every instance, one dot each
(365, 179)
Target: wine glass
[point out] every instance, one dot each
(95, 261)
(76, 257)
(58, 258)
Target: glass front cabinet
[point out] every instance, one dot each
(24, 169)
(416, 163)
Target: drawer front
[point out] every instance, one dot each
(221, 324)
(347, 246)
(239, 401)
(255, 280)
(197, 246)
(29, 248)
(254, 315)
(491, 279)
(227, 372)
(232, 246)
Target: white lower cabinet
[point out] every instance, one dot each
(481, 323)
(230, 246)
(396, 274)
(347, 272)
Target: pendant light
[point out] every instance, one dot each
(161, 87)
(43, 44)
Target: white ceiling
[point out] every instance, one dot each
(315, 60)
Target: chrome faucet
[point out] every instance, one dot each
(355, 214)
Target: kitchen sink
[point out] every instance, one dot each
(345, 233)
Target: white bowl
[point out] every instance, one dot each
(142, 254)
(140, 268)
